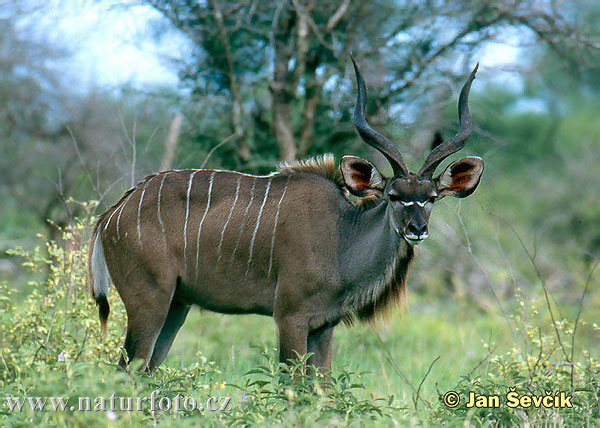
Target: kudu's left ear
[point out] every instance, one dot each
(361, 177)
(460, 178)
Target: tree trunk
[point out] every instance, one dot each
(312, 91)
(171, 142)
(282, 88)
(236, 93)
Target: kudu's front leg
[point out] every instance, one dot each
(293, 333)
(320, 342)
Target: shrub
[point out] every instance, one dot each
(541, 362)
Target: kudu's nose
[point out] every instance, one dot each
(415, 232)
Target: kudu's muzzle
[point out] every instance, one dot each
(415, 232)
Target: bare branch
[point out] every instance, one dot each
(171, 141)
(225, 141)
(531, 257)
(83, 163)
(418, 394)
(585, 289)
(338, 14)
(488, 281)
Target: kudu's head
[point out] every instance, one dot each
(410, 195)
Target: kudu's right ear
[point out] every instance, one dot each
(361, 177)
(460, 178)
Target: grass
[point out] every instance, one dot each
(406, 344)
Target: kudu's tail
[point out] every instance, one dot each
(99, 278)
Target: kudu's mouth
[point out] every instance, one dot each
(414, 239)
(411, 238)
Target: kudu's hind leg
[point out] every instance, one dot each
(177, 313)
(146, 315)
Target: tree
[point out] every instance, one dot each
(299, 50)
(57, 142)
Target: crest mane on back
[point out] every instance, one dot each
(326, 166)
(323, 165)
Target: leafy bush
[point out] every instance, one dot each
(56, 324)
(540, 363)
(304, 396)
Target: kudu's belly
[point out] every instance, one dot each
(235, 275)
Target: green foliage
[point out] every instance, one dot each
(56, 323)
(541, 362)
(295, 395)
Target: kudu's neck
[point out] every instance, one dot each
(369, 246)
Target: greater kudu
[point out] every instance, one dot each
(292, 244)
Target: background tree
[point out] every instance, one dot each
(295, 54)
(59, 142)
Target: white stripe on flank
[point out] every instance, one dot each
(120, 208)
(121, 212)
(139, 212)
(237, 194)
(275, 226)
(160, 220)
(258, 224)
(243, 222)
(210, 184)
(187, 216)
(109, 218)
